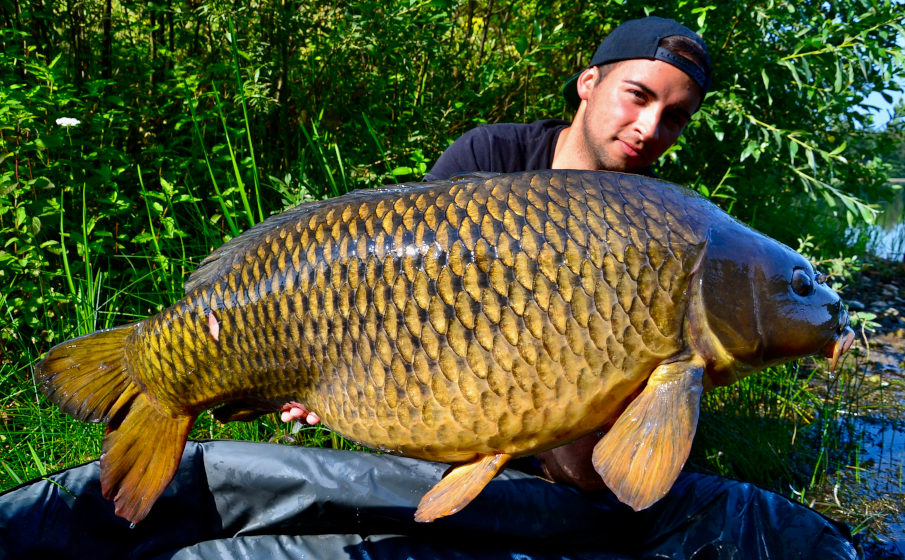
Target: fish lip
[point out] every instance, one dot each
(841, 341)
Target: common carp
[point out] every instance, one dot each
(466, 321)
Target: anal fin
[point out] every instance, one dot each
(459, 487)
(140, 456)
(641, 456)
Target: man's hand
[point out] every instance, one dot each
(297, 411)
(571, 463)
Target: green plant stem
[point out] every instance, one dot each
(847, 43)
(251, 148)
(69, 281)
(227, 215)
(158, 254)
(89, 280)
(235, 164)
(383, 155)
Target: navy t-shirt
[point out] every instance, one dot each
(501, 148)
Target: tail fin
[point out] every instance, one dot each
(140, 456)
(89, 378)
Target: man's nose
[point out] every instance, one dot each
(648, 124)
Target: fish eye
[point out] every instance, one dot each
(801, 282)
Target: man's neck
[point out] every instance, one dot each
(560, 150)
(568, 155)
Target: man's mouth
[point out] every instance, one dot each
(632, 151)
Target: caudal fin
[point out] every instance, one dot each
(89, 378)
(140, 456)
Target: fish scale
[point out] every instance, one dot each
(468, 320)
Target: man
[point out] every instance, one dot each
(645, 81)
(632, 102)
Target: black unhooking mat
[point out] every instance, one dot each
(249, 500)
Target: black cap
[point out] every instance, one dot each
(640, 38)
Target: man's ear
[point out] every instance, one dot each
(586, 82)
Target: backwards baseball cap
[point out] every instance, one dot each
(640, 38)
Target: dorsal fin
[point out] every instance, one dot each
(220, 261)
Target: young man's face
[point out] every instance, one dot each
(634, 113)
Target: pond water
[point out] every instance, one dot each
(887, 238)
(868, 492)
(888, 242)
(878, 474)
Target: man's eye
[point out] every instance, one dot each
(637, 94)
(676, 119)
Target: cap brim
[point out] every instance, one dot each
(570, 92)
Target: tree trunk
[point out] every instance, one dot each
(283, 84)
(107, 46)
(77, 40)
(171, 43)
(153, 39)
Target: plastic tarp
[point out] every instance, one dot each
(250, 500)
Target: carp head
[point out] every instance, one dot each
(759, 303)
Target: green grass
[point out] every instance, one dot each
(775, 429)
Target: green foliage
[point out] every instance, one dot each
(198, 120)
(786, 428)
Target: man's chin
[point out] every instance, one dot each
(625, 168)
(624, 164)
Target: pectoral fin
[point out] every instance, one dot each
(641, 456)
(459, 487)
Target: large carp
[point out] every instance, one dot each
(466, 321)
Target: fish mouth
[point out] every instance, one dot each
(840, 343)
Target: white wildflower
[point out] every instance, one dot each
(68, 121)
